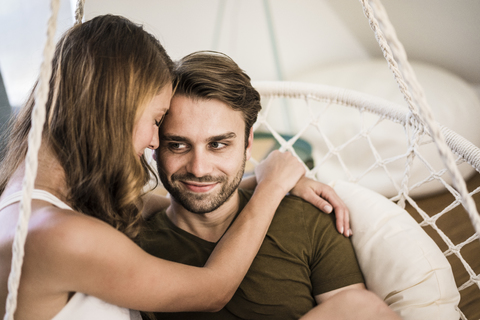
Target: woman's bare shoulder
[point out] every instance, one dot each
(60, 243)
(66, 228)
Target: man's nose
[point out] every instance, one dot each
(199, 163)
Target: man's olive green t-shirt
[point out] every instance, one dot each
(302, 256)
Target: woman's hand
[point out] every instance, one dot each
(281, 169)
(324, 197)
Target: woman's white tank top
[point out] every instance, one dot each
(80, 306)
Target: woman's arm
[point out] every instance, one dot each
(87, 255)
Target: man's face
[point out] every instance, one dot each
(201, 158)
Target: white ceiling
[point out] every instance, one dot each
(307, 33)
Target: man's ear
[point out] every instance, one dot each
(248, 151)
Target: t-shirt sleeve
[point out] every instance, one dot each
(333, 263)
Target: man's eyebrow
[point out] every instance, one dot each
(224, 136)
(172, 137)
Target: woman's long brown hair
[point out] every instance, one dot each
(104, 72)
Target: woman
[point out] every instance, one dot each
(110, 88)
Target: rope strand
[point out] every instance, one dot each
(417, 101)
(31, 165)
(79, 12)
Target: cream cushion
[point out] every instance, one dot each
(400, 262)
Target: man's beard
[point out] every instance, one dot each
(201, 203)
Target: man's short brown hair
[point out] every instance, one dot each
(214, 75)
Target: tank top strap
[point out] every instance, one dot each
(37, 194)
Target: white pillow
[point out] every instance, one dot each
(454, 103)
(399, 261)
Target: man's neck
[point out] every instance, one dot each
(209, 226)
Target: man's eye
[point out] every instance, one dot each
(217, 145)
(177, 146)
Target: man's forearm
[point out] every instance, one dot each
(354, 304)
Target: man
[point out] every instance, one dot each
(205, 141)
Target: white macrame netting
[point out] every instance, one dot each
(414, 96)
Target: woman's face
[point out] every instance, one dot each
(145, 131)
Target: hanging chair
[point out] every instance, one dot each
(408, 268)
(407, 258)
(419, 258)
